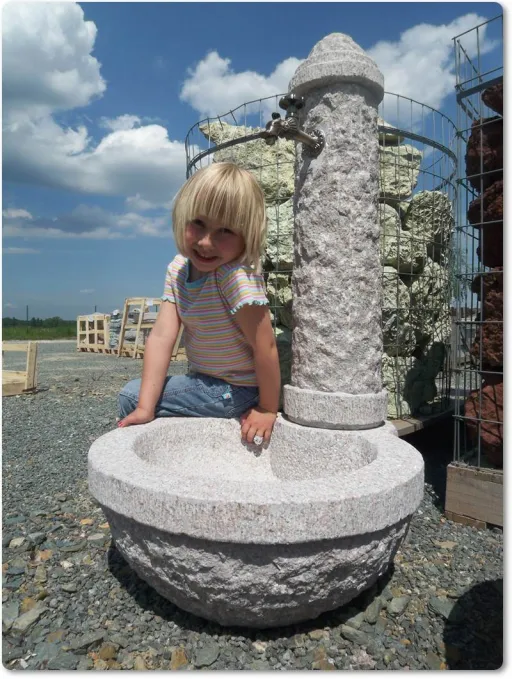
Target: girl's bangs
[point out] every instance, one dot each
(217, 200)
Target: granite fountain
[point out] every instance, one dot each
(263, 537)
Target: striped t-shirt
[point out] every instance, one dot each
(214, 342)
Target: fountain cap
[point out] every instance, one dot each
(337, 58)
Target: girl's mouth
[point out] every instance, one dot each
(205, 260)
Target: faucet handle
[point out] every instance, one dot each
(291, 101)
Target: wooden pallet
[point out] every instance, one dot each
(474, 495)
(92, 333)
(16, 382)
(409, 425)
(136, 349)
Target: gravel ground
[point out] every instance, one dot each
(71, 602)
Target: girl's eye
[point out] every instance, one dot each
(198, 222)
(225, 231)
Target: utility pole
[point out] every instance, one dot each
(95, 308)
(27, 313)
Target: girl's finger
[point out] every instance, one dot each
(245, 430)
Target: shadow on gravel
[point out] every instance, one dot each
(435, 443)
(473, 633)
(149, 600)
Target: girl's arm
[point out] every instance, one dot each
(157, 356)
(254, 321)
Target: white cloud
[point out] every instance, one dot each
(10, 305)
(212, 87)
(124, 122)
(20, 251)
(14, 213)
(88, 291)
(421, 64)
(88, 222)
(48, 68)
(47, 61)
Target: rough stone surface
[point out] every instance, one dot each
(334, 410)
(486, 213)
(420, 387)
(338, 352)
(399, 249)
(279, 248)
(484, 408)
(429, 314)
(399, 171)
(398, 335)
(430, 220)
(484, 153)
(387, 136)
(284, 348)
(338, 59)
(394, 371)
(251, 587)
(493, 97)
(280, 297)
(271, 165)
(256, 537)
(489, 206)
(410, 382)
(489, 335)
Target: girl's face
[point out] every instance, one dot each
(209, 244)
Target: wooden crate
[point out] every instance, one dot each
(16, 382)
(92, 333)
(474, 495)
(142, 326)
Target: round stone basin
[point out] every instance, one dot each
(181, 449)
(249, 536)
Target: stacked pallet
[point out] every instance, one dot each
(92, 333)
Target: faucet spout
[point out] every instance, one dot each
(289, 128)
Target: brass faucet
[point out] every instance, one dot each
(289, 128)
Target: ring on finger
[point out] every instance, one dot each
(258, 440)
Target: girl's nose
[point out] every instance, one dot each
(205, 240)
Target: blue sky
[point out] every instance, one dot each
(98, 99)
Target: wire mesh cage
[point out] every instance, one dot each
(416, 203)
(479, 244)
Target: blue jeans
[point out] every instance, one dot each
(194, 395)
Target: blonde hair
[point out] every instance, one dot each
(230, 195)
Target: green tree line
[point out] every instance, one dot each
(38, 328)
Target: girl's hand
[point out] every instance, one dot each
(257, 422)
(139, 416)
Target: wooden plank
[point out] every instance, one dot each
(409, 425)
(13, 376)
(15, 347)
(120, 346)
(475, 493)
(12, 389)
(465, 520)
(30, 381)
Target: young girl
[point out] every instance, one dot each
(215, 288)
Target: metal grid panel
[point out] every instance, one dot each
(479, 243)
(417, 167)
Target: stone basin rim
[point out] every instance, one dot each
(371, 498)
